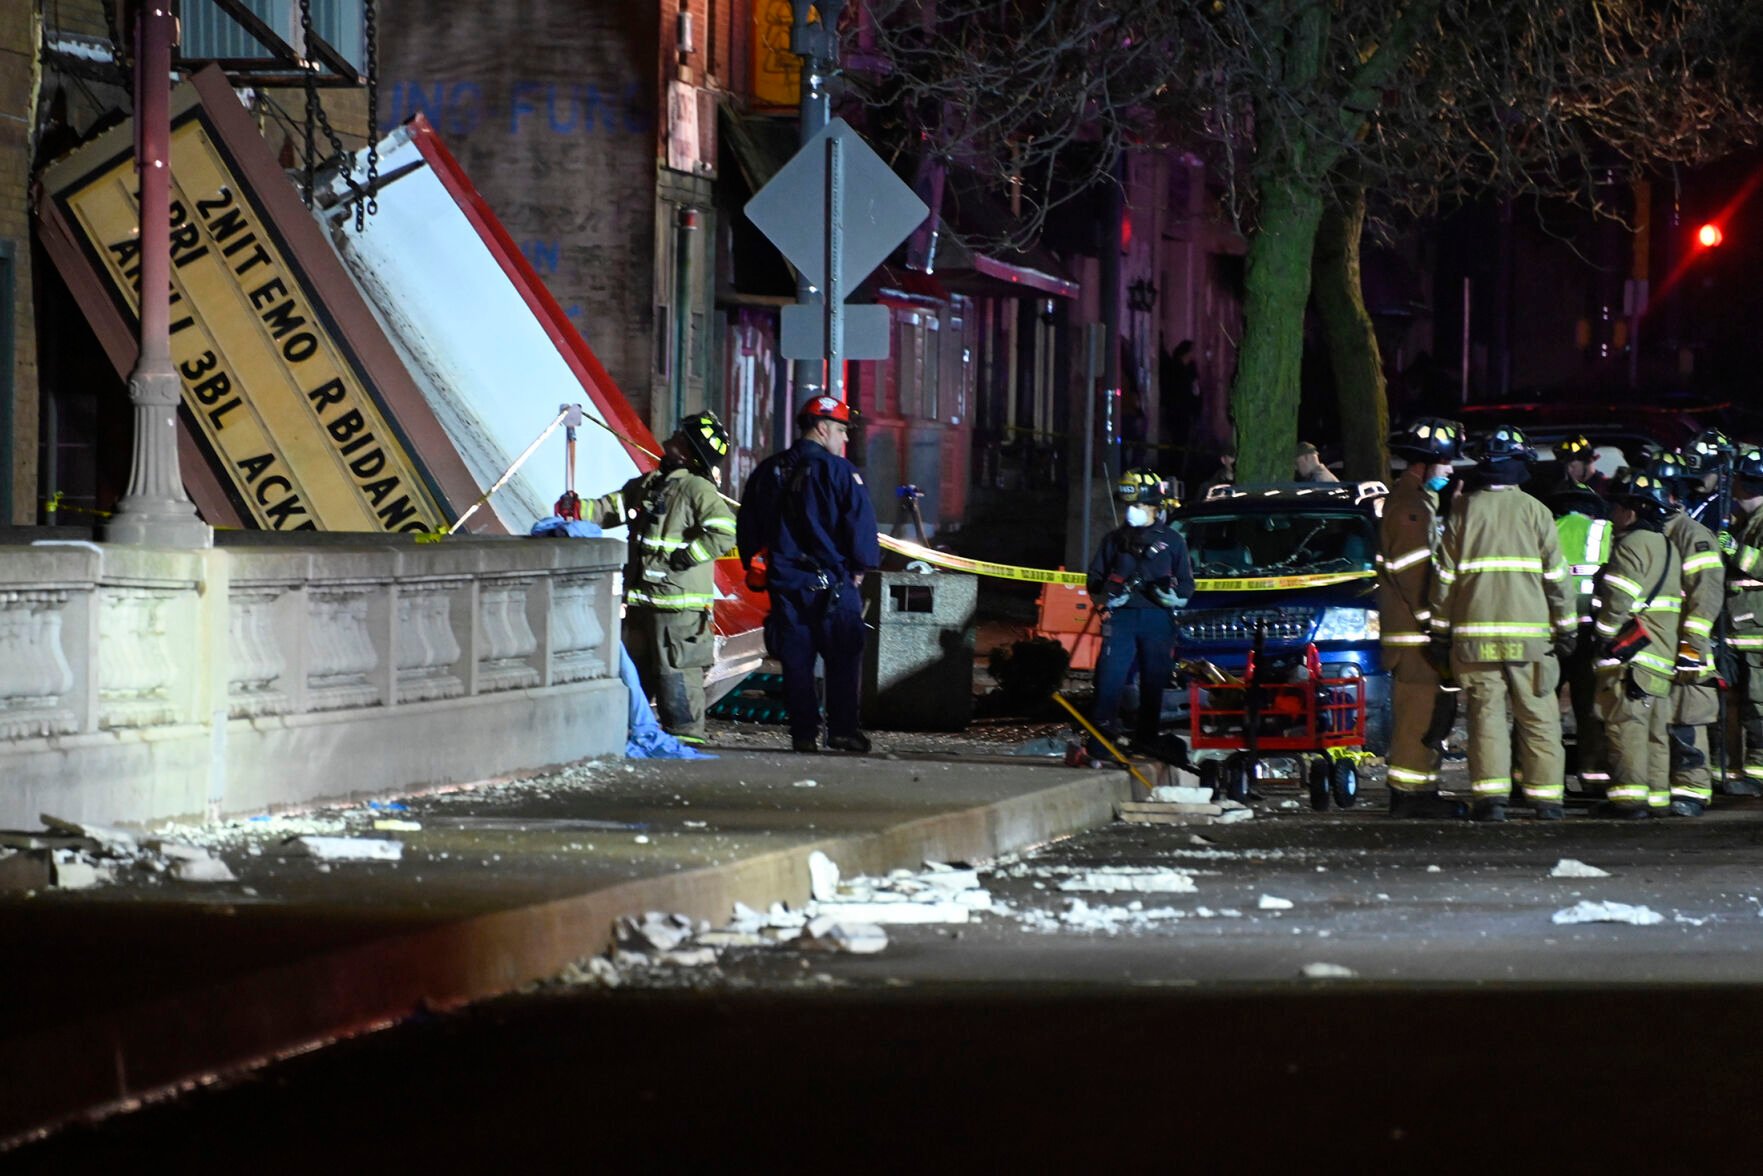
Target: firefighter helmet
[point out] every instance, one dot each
(1645, 494)
(1671, 468)
(1433, 440)
(1708, 451)
(1140, 485)
(825, 407)
(1503, 443)
(1575, 449)
(706, 440)
(1575, 498)
(1749, 464)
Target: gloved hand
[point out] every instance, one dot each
(1729, 544)
(1163, 593)
(1689, 664)
(1114, 602)
(680, 560)
(1566, 644)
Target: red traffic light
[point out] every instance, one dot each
(1709, 235)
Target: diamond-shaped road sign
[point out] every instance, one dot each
(879, 211)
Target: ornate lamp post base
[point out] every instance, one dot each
(156, 512)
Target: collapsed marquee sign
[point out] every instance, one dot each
(301, 411)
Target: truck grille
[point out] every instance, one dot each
(1285, 626)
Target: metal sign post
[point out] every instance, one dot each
(835, 264)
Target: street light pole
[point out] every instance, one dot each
(155, 511)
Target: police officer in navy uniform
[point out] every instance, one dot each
(1139, 576)
(807, 513)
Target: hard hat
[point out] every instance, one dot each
(1644, 494)
(1707, 451)
(705, 439)
(1575, 449)
(1433, 440)
(1140, 485)
(1502, 443)
(826, 407)
(1670, 468)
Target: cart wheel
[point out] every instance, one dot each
(1343, 781)
(1236, 780)
(1319, 785)
(1209, 776)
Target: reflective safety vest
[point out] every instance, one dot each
(1585, 545)
(678, 525)
(1500, 594)
(1644, 580)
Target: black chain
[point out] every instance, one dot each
(373, 112)
(119, 36)
(315, 114)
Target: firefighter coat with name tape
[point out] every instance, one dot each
(1643, 580)
(679, 525)
(1500, 592)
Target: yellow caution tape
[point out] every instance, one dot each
(980, 567)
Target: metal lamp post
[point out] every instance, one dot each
(155, 511)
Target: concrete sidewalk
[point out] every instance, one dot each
(124, 990)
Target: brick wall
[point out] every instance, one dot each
(18, 91)
(551, 106)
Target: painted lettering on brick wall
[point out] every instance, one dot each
(462, 108)
(281, 405)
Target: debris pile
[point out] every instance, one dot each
(1586, 911)
(70, 855)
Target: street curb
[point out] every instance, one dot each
(121, 1058)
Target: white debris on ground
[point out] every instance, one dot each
(1181, 794)
(1136, 879)
(1327, 972)
(344, 849)
(72, 855)
(1272, 902)
(1574, 868)
(1586, 911)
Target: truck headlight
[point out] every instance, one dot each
(1349, 624)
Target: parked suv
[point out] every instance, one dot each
(1298, 560)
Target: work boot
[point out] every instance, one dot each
(1609, 810)
(856, 741)
(1740, 786)
(1684, 806)
(1425, 806)
(1488, 811)
(806, 745)
(1548, 812)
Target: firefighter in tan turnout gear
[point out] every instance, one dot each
(1500, 609)
(679, 525)
(1695, 702)
(1585, 535)
(1745, 613)
(1408, 533)
(1640, 594)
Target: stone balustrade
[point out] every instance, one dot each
(140, 684)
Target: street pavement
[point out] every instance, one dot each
(1446, 1018)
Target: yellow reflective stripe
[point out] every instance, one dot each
(1746, 641)
(698, 551)
(660, 544)
(1406, 639)
(675, 600)
(1447, 576)
(1659, 604)
(719, 523)
(1655, 662)
(1558, 572)
(1624, 583)
(1747, 560)
(1502, 563)
(1626, 793)
(1502, 629)
(1409, 559)
(1702, 561)
(1597, 540)
(1547, 793)
(1700, 626)
(1409, 776)
(1492, 786)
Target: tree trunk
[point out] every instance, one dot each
(1276, 286)
(1352, 341)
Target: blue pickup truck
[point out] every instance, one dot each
(1299, 561)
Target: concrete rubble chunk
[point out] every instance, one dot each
(826, 933)
(72, 872)
(343, 849)
(177, 850)
(823, 877)
(1141, 881)
(1574, 868)
(655, 931)
(1272, 902)
(204, 869)
(24, 869)
(117, 841)
(1180, 794)
(17, 839)
(1586, 911)
(689, 957)
(1327, 972)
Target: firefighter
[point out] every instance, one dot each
(1421, 706)
(679, 525)
(1640, 596)
(1139, 576)
(807, 514)
(1500, 607)
(1576, 456)
(1695, 700)
(1709, 457)
(1585, 536)
(1745, 620)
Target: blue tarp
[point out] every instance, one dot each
(557, 527)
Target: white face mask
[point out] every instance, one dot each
(1140, 516)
